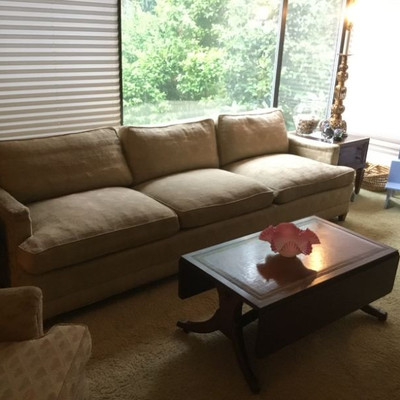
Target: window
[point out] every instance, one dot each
(188, 58)
(309, 57)
(59, 66)
(185, 58)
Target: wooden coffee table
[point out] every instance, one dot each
(290, 297)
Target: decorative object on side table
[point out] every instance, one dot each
(339, 134)
(305, 119)
(337, 109)
(329, 133)
(288, 240)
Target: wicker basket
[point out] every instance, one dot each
(375, 177)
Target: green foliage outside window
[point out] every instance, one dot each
(192, 55)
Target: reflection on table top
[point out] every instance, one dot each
(249, 264)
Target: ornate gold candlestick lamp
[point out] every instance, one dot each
(337, 109)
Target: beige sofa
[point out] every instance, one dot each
(91, 214)
(35, 365)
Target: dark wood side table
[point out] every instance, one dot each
(353, 153)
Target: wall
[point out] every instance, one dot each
(371, 104)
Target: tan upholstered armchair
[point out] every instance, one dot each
(37, 365)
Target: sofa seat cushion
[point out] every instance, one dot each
(82, 226)
(36, 169)
(50, 367)
(204, 196)
(292, 177)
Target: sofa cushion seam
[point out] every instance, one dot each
(218, 205)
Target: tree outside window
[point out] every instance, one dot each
(190, 58)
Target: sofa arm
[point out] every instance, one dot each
(15, 220)
(21, 316)
(319, 151)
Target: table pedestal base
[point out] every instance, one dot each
(229, 320)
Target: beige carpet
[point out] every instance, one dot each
(138, 353)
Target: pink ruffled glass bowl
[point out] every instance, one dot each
(288, 240)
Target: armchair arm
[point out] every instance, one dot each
(15, 220)
(21, 313)
(319, 151)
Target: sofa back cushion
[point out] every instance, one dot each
(241, 136)
(41, 168)
(155, 151)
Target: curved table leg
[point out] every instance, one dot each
(241, 356)
(228, 319)
(375, 312)
(210, 325)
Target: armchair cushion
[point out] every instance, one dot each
(50, 367)
(20, 313)
(34, 365)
